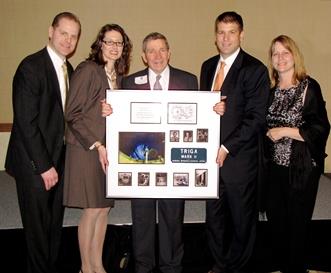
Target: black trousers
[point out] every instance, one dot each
(231, 224)
(42, 217)
(171, 249)
(289, 213)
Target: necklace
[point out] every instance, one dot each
(111, 76)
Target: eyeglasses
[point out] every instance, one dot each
(112, 43)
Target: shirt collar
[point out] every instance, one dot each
(230, 60)
(165, 75)
(56, 59)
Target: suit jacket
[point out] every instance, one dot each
(247, 89)
(178, 80)
(36, 140)
(88, 87)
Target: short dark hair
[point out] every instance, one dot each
(154, 36)
(230, 17)
(68, 15)
(122, 65)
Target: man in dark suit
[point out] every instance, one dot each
(231, 220)
(161, 76)
(35, 156)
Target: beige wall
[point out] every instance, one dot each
(188, 24)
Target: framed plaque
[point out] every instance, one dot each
(162, 144)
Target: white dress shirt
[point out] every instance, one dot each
(164, 80)
(228, 63)
(58, 62)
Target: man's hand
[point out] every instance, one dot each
(106, 109)
(221, 156)
(50, 178)
(220, 107)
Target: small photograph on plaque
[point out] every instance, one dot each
(124, 179)
(188, 136)
(161, 179)
(181, 179)
(174, 135)
(201, 176)
(143, 179)
(141, 147)
(202, 135)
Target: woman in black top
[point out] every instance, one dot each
(298, 129)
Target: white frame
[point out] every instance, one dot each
(192, 156)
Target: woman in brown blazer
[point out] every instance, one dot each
(86, 156)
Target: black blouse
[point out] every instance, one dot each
(285, 111)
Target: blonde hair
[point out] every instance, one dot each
(299, 67)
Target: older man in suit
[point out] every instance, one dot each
(160, 76)
(35, 156)
(244, 83)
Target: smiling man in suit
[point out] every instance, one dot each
(231, 220)
(158, 76)
(35, 156)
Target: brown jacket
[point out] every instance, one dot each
(88, 87)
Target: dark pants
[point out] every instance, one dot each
(289, 212)
(231, 224)
(42, 218)
(170, 225)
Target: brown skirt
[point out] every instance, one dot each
(84, 180)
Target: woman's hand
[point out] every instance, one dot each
(103, 158)
(277, 133)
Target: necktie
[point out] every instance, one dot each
(219, 77)
(157, 85)
(66, 84)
